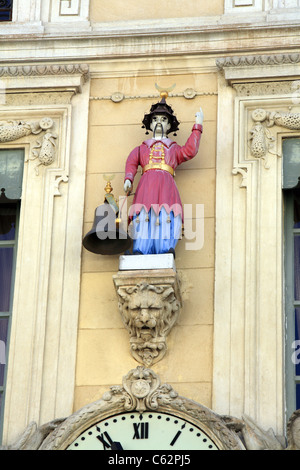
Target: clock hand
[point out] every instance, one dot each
(116, 446)
(175, 438)
(177, 435)
(108, 443)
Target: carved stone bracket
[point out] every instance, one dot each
(44, 150)
(149, 303)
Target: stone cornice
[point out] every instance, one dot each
(169, 37)
(44, 70)
(258, 60)
(147, 27)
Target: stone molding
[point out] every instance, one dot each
(268, 88)
(44, 149)
(42, 70)
(257, 60)
(271, 68)
(188, 93)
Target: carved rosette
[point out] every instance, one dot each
(149, 309)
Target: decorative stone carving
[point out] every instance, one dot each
(188, 93)
(267, 88)
(262, 60)
(260, 136)
(256, 438)
(141, 391)
(288, 120)
(46, 155)
(148, 312)
(14, 130)
(293, 431)
(42, 70)
(33, 436)
(149, 307)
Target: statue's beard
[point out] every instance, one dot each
(158, 131)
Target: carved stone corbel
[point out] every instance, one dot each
(149, 306)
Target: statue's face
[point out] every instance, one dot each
(160, 124)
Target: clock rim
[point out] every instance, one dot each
(65, 434)
(131, 396)
(166, 411)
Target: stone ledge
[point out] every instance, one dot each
(145, 262)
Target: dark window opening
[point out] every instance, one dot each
(11, 176)
(6, 10)
(291, 186)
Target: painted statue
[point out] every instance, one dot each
(156, 212)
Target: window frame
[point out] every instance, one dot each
(290, 303)
(249, 330)
(14, 245)
(42, 365)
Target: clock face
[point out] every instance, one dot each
(149, 430)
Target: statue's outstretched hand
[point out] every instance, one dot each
(199, 117)
(127, 186)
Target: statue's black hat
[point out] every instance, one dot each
(161, 108)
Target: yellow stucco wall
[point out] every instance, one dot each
(103, 343)
(144, 9)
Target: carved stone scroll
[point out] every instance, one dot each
(149, 307)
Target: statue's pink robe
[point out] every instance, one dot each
(157, 188)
